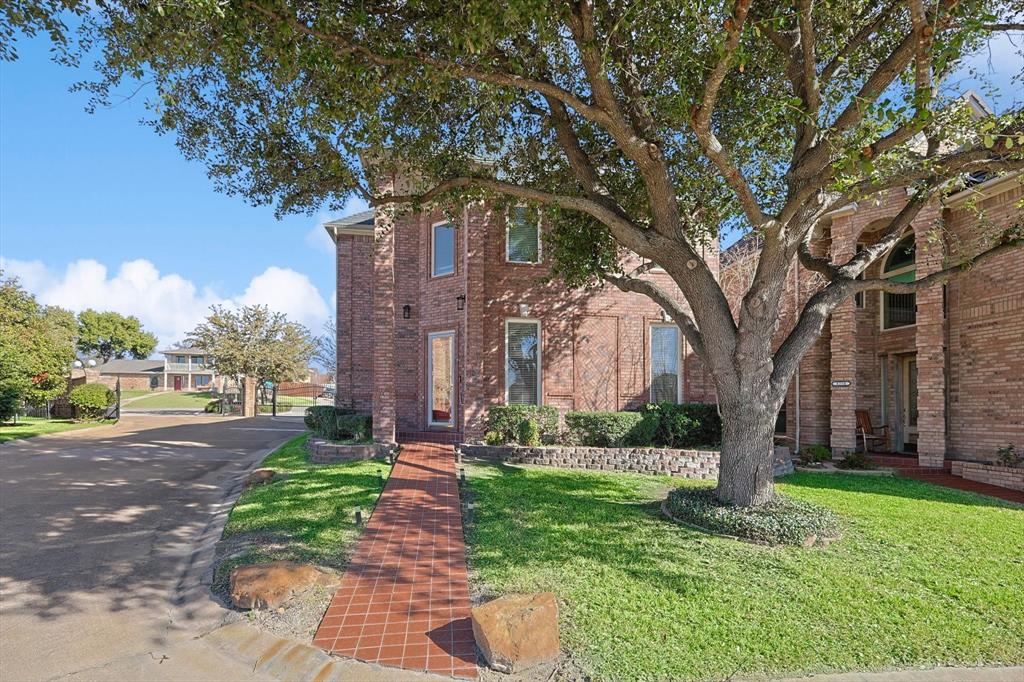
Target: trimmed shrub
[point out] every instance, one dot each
(603, 429)
(856, 460)
(814, 453)
(91, 400)
(783, 521)
(10, 402)
(338, 423)
(504, 420)
(681, 425)
(212, 406)
(527, 433)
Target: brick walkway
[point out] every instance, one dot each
(404, 600)
(907, 467)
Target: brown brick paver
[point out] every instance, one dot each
(404, 599)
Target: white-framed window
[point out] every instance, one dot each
(899, 310)
(522, 362)
(522, 236)
(201, 380)
(442, 249)
(666, 379)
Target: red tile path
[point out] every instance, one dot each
(907, 467)
(404, 599)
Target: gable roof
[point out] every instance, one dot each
(132, 367)
(357, 223)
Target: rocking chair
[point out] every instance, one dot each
(869, 432)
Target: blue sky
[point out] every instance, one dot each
(97, 210)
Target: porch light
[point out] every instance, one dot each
(406, 311)
(460, 302)
(462, 475)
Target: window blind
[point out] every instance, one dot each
(522, 343)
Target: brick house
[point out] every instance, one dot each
(943, 370)
(439, 319)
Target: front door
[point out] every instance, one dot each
(441, 379)
(908, 401)
(177, 383)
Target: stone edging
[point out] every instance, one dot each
(692, 464)
(1011, 478)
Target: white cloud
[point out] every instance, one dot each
(167, 304)
(317, 237)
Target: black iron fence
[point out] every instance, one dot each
(293, 397)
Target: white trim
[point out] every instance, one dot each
(433, 248)
(983, 190)
(540, 355)
(679, 360)
(430, 377)
(540, 255)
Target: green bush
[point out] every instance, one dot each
(91, 400)
(1007, 456)
(814, 453)
(338, 423)
(10, 402)
(504, 421)
(856, 460)
(603, 429)
(680, 425)
(783, 521)
(492, 438)
(212, 406)
(527, 433)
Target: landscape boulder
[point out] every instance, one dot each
(267, 586)
(518, 631)
(259, 477)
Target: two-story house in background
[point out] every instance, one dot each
(439, 319)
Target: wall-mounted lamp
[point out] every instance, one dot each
(406, 311)
(524, 310)
(460, 302)
(665, 317)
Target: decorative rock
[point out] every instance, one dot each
(267, 586)
(517, 631)
(259, 477)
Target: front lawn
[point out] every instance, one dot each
(309, 514)
(924, 576)
(180, 399)
(27, 427)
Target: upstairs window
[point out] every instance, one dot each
(664, 364)
(900, 310)
(522, 236)
(442, 249)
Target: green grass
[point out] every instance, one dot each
(27, 427)
(924, 576)
(182, 399)
(134, 392)
(311, 509)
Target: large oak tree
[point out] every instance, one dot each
(640, 128)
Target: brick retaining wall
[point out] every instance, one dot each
(1004, 477)
(695, 464)
(325, 452)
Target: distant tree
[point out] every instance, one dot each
(37, 347)
(326, 353)
(254, 342)
(110, 335)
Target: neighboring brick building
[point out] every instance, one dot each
(943, 370)
(438, 321)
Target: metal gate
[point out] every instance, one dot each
(293, 397)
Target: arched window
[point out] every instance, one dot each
(899, 310)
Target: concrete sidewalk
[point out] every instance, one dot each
(1004, 674)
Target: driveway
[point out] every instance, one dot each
(104, 535)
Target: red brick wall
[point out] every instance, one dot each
(970, 362)
(593, 343)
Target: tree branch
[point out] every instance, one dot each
(679, 315)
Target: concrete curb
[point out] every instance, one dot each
(993, 674)
(286, 659)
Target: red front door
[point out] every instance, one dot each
(177, 383)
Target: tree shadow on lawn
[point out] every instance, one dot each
(894, 486)
(555, 518)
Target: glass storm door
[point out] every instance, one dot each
(441, 379)
(910, 399)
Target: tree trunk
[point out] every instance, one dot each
(745, 470)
